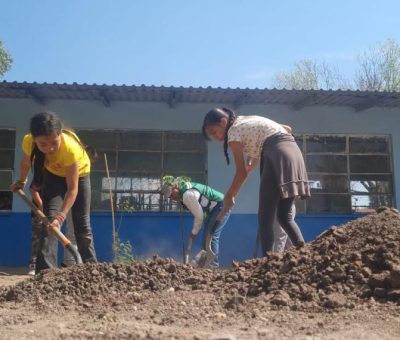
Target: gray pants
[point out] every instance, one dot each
(281, 239)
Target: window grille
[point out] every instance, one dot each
(347, 173)
(137, 161)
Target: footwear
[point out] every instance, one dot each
(32, 270)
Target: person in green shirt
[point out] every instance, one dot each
(205, 203)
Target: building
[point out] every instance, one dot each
(350, 140)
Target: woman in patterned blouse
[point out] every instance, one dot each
(283, 176)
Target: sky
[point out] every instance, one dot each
(198, 43)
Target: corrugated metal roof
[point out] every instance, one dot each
(44, 92)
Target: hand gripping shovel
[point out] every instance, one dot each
(60, 236)
(204, 257)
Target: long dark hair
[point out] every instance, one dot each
(43, 124)
(213, 117)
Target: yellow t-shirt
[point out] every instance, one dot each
(70, 152)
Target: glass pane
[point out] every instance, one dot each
(175, 162)
(367, 203)
(7, 139)
(328, 204)
(124, 184)
(184, 141)
(99, 139)
(328, 183)
(100, 201)
(99, 179)
(5, 180)
(106, 183)
(139, 161)
(7, 159)
(100, 164)
(134, 140)
(326, 144)
(370, 164)
(6, 198)
(371, 184)
(326, 163)
(131, 182)
(368, 144)
(138, 201)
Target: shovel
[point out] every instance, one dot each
(60, 236)
(205, 256)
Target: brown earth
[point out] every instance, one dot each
(343, 285)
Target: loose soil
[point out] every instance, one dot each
(343, 285)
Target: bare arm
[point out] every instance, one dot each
(239, 178)
(25, 165)
(72, 178)
(191, 202)
(36, 198)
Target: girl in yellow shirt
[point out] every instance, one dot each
(66, 180)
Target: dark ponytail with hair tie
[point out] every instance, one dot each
(231, 119)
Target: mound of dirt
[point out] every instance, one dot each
(343, 267)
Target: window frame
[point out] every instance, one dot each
(348, 194)
(6, 196)
(136, 202)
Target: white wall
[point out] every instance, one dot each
(15, 113)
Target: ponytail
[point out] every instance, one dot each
(37, 165)
(231, 119)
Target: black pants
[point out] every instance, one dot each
(54, 189)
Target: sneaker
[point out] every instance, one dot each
(32, 270)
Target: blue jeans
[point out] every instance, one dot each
(208, 224)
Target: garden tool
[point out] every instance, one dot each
(204, 257)
(188, 251)
(59, 235)
(198, 260)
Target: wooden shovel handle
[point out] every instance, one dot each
(43, 218)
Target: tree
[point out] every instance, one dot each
(378, 70)
(311, 75)
(5, 60)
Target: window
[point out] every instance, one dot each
(7, 151)
(347, 173)
(137, 161)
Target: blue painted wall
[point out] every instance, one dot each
(152, 234)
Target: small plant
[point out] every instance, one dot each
(123, 251)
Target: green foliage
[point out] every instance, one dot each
(378, 69)
(170, 181)
(5, 60)
(123, 251)
(125, 205)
